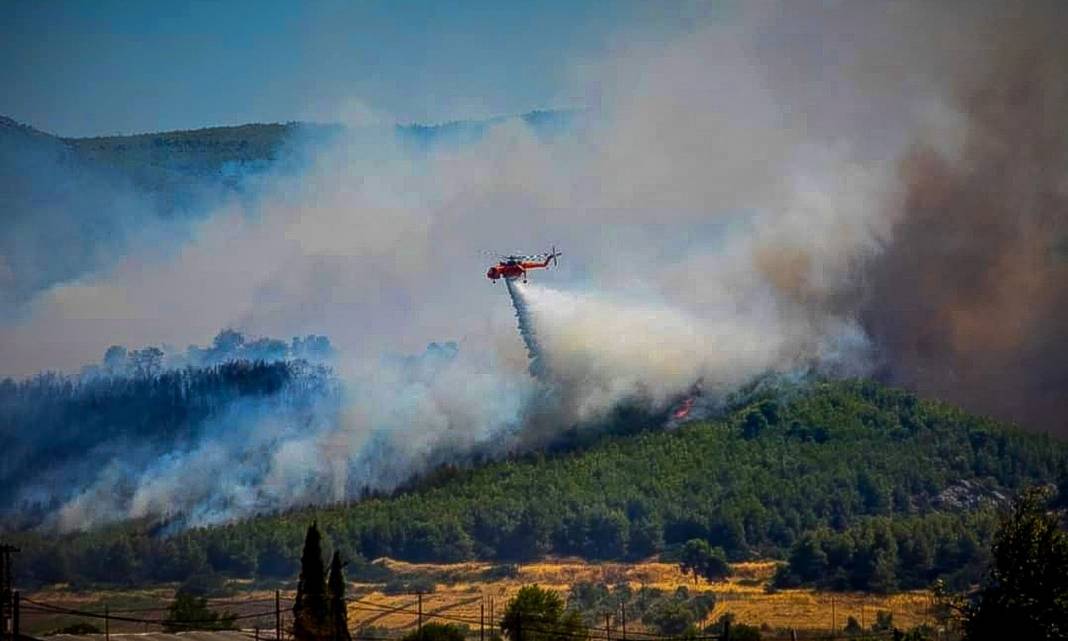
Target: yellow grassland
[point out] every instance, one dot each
(463, 589)
(743, 594)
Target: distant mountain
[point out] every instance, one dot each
(176, 161)
(167, 160)
(13, 128)
(172, 163)
(86, 199)
(162, 163)
(64, 213)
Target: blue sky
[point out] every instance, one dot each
(101, 67)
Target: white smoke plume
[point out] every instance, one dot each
(600, 350)
(718, 202)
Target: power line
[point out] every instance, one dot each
(376, 607)
(97, 615)
(45, 607)
(164, 608)
(364, 605)
(220, 601)
(359, 604)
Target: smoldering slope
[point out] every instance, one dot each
(741, 200)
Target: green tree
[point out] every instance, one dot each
(808, 561)
(537, 614)
(119, 562)
(606, 535)
(190, 612)
(438, 632)
(310, 616)
(232, 556)
(755, 423)
(180, 558)
(883, 576)
(646, 537)
(1025, 595)
(700, 559)
(148, 361)
(875, 492)
(693, 557)
(669, 617)
(738, 631)
(335, 589)
(206, 585)
(274, 560)
(884, 621)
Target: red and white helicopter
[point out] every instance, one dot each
(514, 267)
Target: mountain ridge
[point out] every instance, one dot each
(536, 117)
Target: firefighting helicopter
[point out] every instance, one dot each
(515, 266)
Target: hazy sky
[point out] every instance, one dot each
(87, 68)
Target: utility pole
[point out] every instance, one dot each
(7, 613)
(834, 620)
(482, 621)
(3, 591)
(623, 605)
(15, 617)
(277, 616)
(607, 629)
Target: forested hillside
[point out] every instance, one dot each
(176, 164)
(860, 486)
(58, 431)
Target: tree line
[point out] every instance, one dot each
(1022, 593)
(56, 430)
(859, 486)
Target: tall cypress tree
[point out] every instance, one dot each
(310, 616)
(335, 588)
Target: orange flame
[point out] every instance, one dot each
(683, 410)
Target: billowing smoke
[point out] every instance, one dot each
(317, 440)
(602, 349)
(970, 301)
(873, 188)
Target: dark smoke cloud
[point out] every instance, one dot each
(969, 303)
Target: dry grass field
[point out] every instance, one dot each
(460, 589)
(743, 595)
